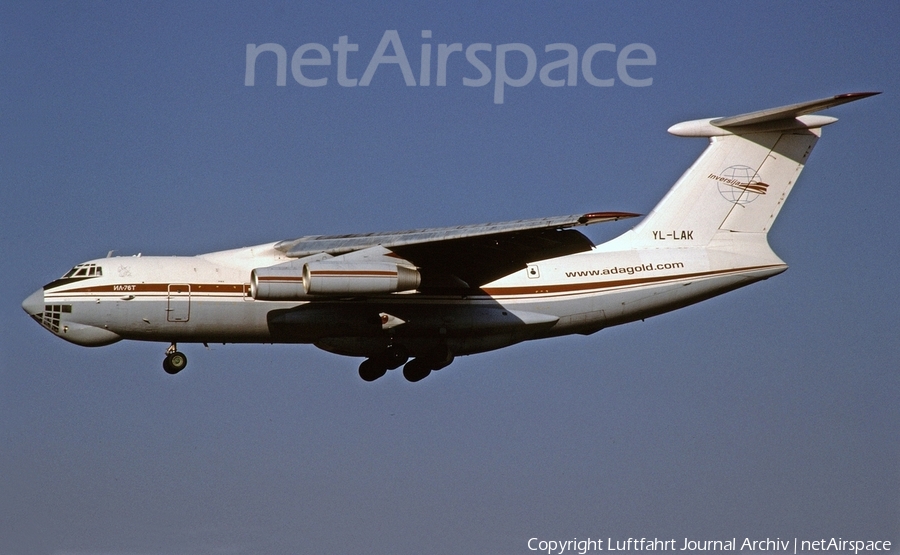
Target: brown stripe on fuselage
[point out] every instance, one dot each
(600, 285)
(120, 288)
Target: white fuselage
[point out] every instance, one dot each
(207, 298)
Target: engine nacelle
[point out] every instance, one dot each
(331, 277)
(297, 281)
(278, 283)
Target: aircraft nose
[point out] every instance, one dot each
(34, 304)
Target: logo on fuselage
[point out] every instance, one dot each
(739, 184)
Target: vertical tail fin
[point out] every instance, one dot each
(742, 179)
(739, 183)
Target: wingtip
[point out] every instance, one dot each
(597, 217)
(856, 95)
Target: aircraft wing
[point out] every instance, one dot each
(473, 254)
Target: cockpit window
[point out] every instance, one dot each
(84, 270)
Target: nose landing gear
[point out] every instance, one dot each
(174, 361)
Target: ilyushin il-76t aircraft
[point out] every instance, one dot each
(421, 297)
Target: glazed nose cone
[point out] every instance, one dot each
(34, 304)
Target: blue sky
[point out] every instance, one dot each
(769, 412)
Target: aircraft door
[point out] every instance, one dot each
(178, 308)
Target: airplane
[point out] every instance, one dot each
(420, 298)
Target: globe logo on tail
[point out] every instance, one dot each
(739, 184)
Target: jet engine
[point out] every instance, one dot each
(332, 277)
(278, 283)
(293, 282)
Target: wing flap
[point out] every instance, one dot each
(481, 259)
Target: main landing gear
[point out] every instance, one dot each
(373, 368)
(415, 370)
(174, 361)
(419, 368)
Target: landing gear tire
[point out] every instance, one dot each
(395, 357)
(416, 370)
(372, 369)
(174, 363)
(437, 365)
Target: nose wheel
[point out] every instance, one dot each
(175, 361)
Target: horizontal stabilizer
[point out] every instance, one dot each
(790, 111)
